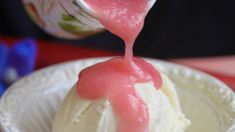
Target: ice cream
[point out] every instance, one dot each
(124, 94)
(83, 115)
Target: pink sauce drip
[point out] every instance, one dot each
(115, 78)
(124, 18)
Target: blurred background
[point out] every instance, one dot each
(174, 30)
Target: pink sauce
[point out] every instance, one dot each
(124, 18)
(115, 78)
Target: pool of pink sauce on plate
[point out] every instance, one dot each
(115, 79)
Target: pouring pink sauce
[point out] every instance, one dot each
(115, 78)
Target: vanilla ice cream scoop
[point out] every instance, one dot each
(77, 114)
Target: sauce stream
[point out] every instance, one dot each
(115, 79)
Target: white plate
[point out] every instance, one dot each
(30, 104)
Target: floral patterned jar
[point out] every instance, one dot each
(63, 18)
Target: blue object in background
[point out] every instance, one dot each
(3, 62)
(3, 58)
(2, 89)
(16, 61)
(22, 56)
